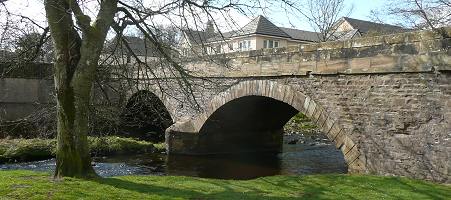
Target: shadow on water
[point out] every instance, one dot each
(294, 160)
(227, 166)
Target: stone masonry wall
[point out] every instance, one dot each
(401, 122)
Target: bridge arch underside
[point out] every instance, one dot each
(246, 124)
(145, 117)
(250, 116)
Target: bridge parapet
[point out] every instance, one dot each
(421, 51)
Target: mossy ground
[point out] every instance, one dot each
(300, 123)
(12, 150)
(33, 185)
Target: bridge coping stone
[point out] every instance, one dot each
(420, 51)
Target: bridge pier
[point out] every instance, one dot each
(223, 143)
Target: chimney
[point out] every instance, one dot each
(210, 29)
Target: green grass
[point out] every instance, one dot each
(12, 150)
(33, 185)
(300, 123)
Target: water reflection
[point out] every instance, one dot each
(227, 166)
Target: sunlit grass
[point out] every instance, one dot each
(32, 185)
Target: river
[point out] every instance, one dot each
(309, 156)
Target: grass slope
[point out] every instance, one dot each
(32, 185)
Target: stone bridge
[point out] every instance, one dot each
(384, 101)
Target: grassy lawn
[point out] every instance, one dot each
(32, 185)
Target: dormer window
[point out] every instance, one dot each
(270, 44)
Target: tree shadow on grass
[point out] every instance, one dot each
(280, 188)
(228, 190)
(427, 189)
(148, 189)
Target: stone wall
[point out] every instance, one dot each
(399, 122)
(20, 97)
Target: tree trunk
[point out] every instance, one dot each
(75, 66)
(72, 155)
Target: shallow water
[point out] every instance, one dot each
(312, 157)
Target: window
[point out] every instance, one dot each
(218, 49)
(129, 58)
(270, 43)
(244, 45)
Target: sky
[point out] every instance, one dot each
(34, 9)
(361, 10)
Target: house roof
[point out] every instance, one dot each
(138, 46)
(302, 35)
(367, 26)
(196, 37)
(344, 35)
(261, 25)
(221, 36)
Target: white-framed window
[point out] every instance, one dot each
(270, 43)
(244, 45)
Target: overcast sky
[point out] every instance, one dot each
(35, 10)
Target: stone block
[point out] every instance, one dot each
(368, 41)
(309, 47)
(383, 63)
(299, 101)
(339, 139)
(318, 112)
(306, 67)
(347, 145)
(306, 104)
(352, 156)
(328, 125)
(359, 65)
(334, 131)
(394, 39)
(322, 120)
(418, 63)
(311, 109)
(330, 45)
(331, 66)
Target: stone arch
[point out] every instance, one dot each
(150, 87)
(145, 110)
(286, 94)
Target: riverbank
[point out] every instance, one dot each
(19, 150)
(33, 185)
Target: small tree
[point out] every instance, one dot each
(322, 15)
(416, 14)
